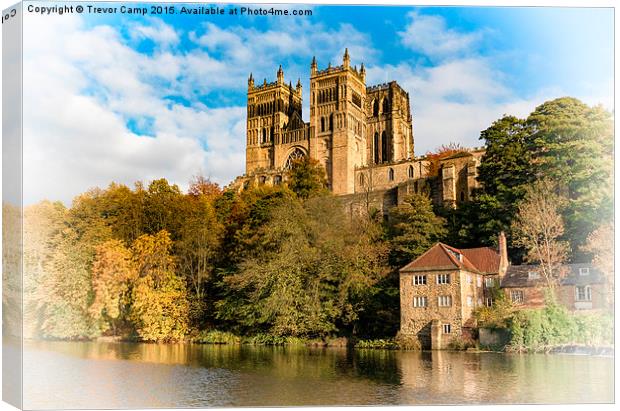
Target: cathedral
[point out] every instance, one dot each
(362, 135)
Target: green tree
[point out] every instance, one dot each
(412, 229)
(572, 143)
(159, 310)
(307, 178)
(311, 273)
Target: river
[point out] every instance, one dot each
(128, 375)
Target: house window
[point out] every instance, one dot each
(516, 296)
(420, 301)
(489, 302)
(533, 275)
(469, 280)
(391, 174)
(470, 301)
(443, 278)
(479, 281)
(489, 282)
(583, 293)
(444, 300)
(419, 280)
(447, 328)
(584, 271)
(277, 180)
(410, 172)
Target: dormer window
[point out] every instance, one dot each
(456, 255)
(584, 271)
(533, 275)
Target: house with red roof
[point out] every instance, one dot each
(440, 290)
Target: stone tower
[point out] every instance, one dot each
(337, 121)
(389, 121)
(273, 110)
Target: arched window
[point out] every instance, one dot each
(386, 105)
(271, 133)
(410, 172)
(322, 124)
(262, 179)
(376, 147)
(375, 108)
(362, 180)
(264, 136)
(295, 155)
(384, 147)
(331, 121)
(391, 174)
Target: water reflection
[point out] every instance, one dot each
(113, 375)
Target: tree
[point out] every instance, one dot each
(307, 178)
(311, 273)
(538, 228)
(572, 143)
(113, 276)
(442, 152)
(412, 229)
(600, 244)
(160, 308)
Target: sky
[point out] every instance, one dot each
(124, 98)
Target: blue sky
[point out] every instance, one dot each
(165, 97)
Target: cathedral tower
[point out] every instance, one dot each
(337, 121)
(272, 110)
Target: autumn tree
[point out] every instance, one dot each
(159, 308)
(600, 244)
(441, 153)
(113, 276)
(538, 228)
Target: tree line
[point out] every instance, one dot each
(156, 264)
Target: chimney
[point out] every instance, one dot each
(503, 254)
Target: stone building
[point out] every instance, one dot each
(582, 287)
(440, 290)
(362, 135)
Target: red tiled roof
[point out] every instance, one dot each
(441, 256)
(485, 259)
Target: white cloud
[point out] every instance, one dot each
(430, 36)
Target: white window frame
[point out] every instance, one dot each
(420, 301)
(587, 293)
(489, 282)
(520, 294)
(419, 280)
(447, 328)
(584, 271)
(479, 281)
(533, 275)
(444, 301)
(443, 279)
(469, 279)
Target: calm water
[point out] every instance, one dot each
(120, 375)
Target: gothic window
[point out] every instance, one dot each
(271, 135)
(386, 105)
(375, 108)
(331, 122)
(322, 124)
(391, 174)
(410, 172)
(384, 147)
(264, 136)
(295, 155)
(376, 147)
